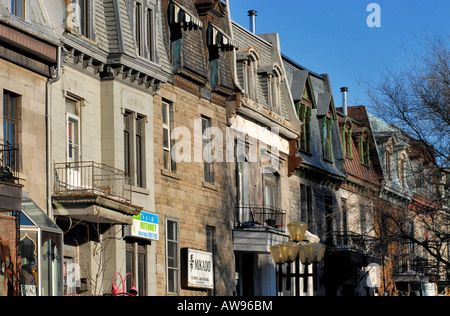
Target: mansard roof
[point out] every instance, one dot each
(314, 162)
(267, 49)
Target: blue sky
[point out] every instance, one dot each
(332, 36)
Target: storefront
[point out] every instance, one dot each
(40, 249)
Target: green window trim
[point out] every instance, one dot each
(327, 139)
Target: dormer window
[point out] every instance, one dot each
(18, 8)
(365, 148)
(347, 138)
(144, 31)
(402, 170)
(250, 73)
(327, 138)
(274, 88)
(79, 18)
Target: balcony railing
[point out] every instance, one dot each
(259, 217)
(9, 166)
(88, 177)
(350, 241)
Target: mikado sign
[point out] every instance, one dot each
(197, 269)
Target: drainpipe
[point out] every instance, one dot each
(48, 142)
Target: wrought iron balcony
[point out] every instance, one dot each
(9, 166)
(354, 242)
(91, 178)
(259, 217)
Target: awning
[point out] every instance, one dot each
(33, 216)
(181, 16)
(217, 37)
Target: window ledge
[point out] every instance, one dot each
(170, 174)
(140, 190)
(209, 186)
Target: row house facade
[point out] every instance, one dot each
(159, 148)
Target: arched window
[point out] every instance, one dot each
(347, 138)
(250, 73)
(275, 79)
(402, 170)
(365, 148)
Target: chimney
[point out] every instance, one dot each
(344, 91)
(252, 14)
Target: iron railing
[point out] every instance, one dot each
(9, 163)
(88, 177)
(254, 216)
(351, 241)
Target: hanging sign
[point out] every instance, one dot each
(197, 269)
(145, 225)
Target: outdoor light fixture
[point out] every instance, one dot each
(297, 231)
(312, 253)
(288, 252)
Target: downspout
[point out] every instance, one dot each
(48, 134)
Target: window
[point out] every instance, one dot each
(138, 30)
(344, 206)
(270, 190)
(139, 153)
(387, 164)
(211, 247)
(274, 80)
(250, 75)
(18, 8)
(327, 139)
(136, 264)
(402, 170)
(208, 167)
(150, 34)
(73, 146)
(134, 147)
(304, 113)
(347, 138)
(365, 149)
(144, 31)
(167, 122)
(306, 206)
(79, 18)
(172, 249)
(329, 212)
(11, 102)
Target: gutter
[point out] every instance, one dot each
(48, 132)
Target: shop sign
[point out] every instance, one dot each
(145, 225)
(197, 269)
(429, 289)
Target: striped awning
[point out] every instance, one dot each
(181, 16)
(217, 37)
